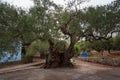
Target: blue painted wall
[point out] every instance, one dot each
(10, 57)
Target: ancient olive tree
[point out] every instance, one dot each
(101, 24)
(93, 23)
(102, 21)
(48, 21)
(68, 24)
(15, 26)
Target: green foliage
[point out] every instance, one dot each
(84, 45)
(38, 46)
(97, 45)
(108, 44)
(101, 21)
(19, 25)
(8, 18)
(116, 42)
(76, 50)
(60, 46)
(40, 22)
(29, 55)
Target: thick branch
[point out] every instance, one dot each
(92, 37)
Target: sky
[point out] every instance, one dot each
(28, 3)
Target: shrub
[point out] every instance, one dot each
(39, 47)
(28, 58)
(76, 50)
(29, 54)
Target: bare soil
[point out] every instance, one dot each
(83, 71)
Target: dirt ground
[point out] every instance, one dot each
(83, 71)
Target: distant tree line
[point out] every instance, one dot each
(102, 45)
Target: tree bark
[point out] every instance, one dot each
(23, 50)
(42, 55)
(60, 59)
(69, 53)
(24, 46)
(109, 51)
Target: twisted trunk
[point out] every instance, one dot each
(69, 52)
(56, 58)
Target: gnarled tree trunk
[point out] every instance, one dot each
(58, 58)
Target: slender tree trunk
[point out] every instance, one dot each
(42, 55)
(23, 50)
(109, 51)
(24, 46)
(101, 52)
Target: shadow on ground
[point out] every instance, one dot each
(85, 71)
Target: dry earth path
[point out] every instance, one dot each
(83, 71)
